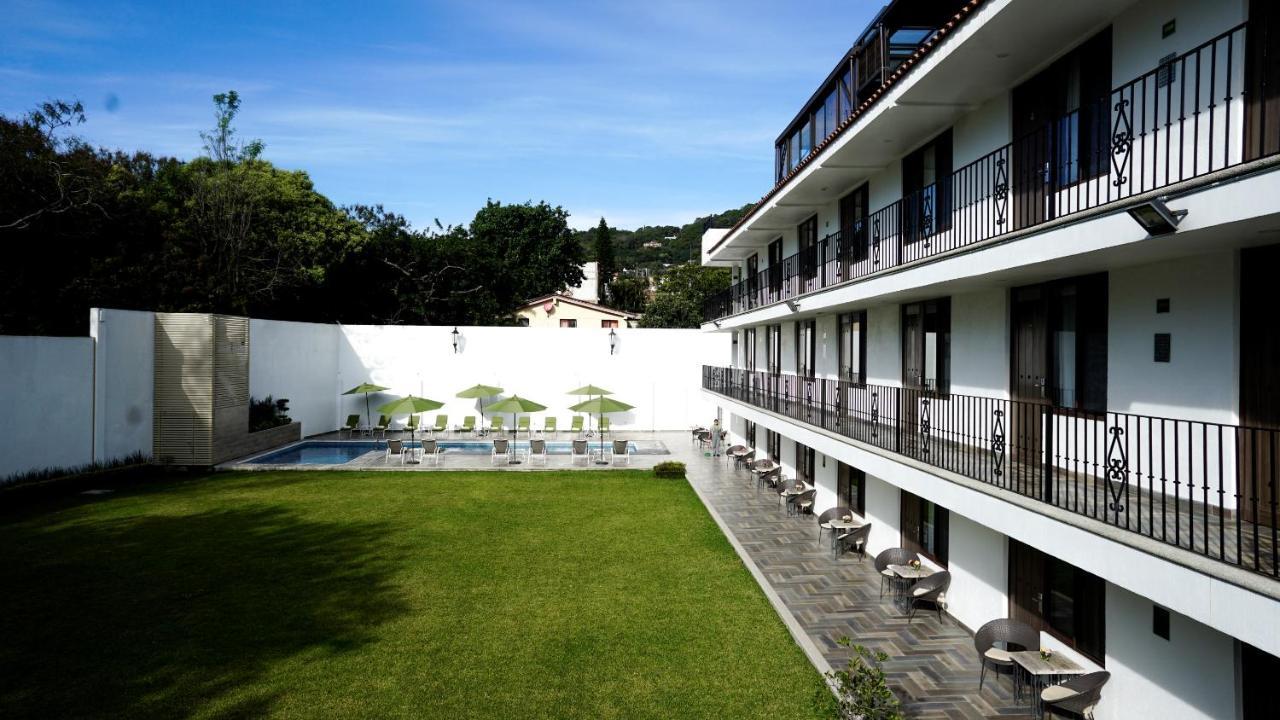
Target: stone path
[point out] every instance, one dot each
(932, 665)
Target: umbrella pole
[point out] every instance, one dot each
(601, 461)
(368, 417)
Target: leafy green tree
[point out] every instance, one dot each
(523, 251)
(604, 260)
(629, 293)
(682, 290)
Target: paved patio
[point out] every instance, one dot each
(932, 665)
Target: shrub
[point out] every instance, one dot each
(669, 469)
(266, 413)
(861, 689)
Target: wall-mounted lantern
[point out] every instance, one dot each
(455, 335)
(613, 340)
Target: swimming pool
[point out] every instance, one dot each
(328, 452)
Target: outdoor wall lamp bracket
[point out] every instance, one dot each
(793, 305)
(455, 335)
(1155, 217)
(613, 340)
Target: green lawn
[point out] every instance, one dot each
(373, 595)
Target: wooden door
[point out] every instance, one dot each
(1029, 374)
(1259, 385)
(853, 229)
(1026, 584)
(1262, 79)
(1033, 109)
(753, 281)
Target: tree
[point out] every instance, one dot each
(629, 293)
(523, 251)
(604, 260)
(682, 290)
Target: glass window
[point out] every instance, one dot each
(608, 323)
(926, 345)
(806, 139)
(795, 150)
(806, 339)
(522, 322)
(1058, 598)
(851, 488)
(830, 113)
(853, 346)
(568, 322)
(924, 527)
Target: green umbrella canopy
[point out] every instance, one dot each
(409, 405)
(589, 390)
(480, 391)
(516, 404)
(365, 388)
(601, 405)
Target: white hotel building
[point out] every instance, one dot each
(1010, 299)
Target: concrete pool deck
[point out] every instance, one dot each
(652, 448)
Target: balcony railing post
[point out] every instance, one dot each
(1046, 442)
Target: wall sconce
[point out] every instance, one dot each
(793, 305)
(1156, 218)
(455, 335)
(613, 340)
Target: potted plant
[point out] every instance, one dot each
(861, 690)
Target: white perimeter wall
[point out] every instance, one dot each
(46, 390)
(124, 390)
(658, 371)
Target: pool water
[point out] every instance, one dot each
(320, 452)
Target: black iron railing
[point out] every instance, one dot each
(1202, 486)
(1183, 120)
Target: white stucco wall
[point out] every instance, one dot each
(1190, 676)
(124, 390)
(47, 393)
(978, 558)
(658, 371)
(884, 512)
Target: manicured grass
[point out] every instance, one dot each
(425, 595)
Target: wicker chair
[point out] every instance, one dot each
(931, 589)
(824, 519)
(996, 639)
(855, 540)
(802, 503)
(1076, 697)
(892, 556)
(782, 486)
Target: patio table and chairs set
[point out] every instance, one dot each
(1049, 682)
(505, 448)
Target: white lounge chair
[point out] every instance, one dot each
(580, 451)
(537, 451)
(431, 449)
(395, 448)
(621, 452)
(501, 449)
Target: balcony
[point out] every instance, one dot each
(1173, 128)
(1194, 485)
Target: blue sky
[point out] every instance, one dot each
(644, 112)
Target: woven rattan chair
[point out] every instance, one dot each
(855, 540)
(803, 503)
(931, 589)
(892, 556)
(1076, 697)
(825, 518)
(996, 639)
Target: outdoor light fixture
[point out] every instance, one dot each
(1156, 218)
(716, 323)
(455, 335)
(794, 305)
(613, 340)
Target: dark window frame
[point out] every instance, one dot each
(851, 488)
(806, 352)
(913, 511)
(939, 309)
(926, 207)
(845, 324)
(1035, 599)
(773, 348)
(1091, 294)
(806, 464)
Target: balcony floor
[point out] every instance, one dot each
(932, 665)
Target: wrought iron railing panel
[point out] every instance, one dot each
(1181, 121)
(1201, 486)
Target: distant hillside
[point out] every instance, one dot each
(654, 246)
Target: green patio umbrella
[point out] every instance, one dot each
(480, 392)
(366, 388)
(515, 405)
(589, 391)
(601, 406)
(410, 405)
